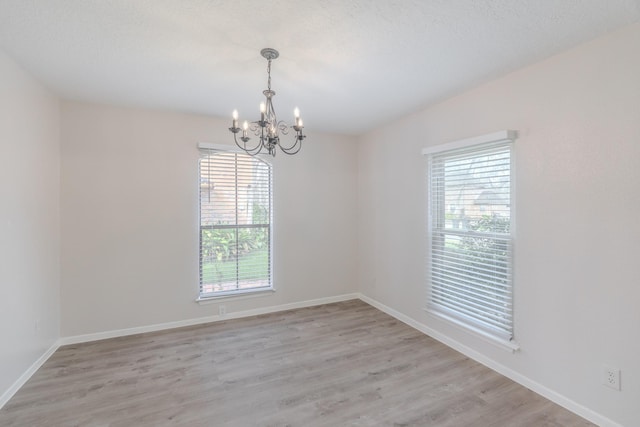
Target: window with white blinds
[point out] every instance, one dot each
(235, 223)
(470, 233)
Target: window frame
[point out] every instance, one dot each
(235, 293)
(456, 318)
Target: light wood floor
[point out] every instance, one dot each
(344, 364)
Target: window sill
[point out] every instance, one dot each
(510, 346)
(230, 296)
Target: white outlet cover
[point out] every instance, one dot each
(611, 377)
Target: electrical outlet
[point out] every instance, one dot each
(611, 377)
(222, 310)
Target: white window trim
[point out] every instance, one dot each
(511, 346)
(236, 295)
(220, 147)
(503, 135)
(495, 137)
(244, 293)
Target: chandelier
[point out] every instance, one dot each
(268, 129)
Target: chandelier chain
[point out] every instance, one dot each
(269, 74)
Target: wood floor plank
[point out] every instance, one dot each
(343, 364)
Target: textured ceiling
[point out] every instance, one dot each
(347, 64)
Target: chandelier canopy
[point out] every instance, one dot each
(268, 129)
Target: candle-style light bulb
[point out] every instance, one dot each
(245, 126)
(263, 108)
(296, 115)
(300, 123)
(235, 119)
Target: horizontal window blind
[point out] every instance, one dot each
(235, 222)
(470, 236)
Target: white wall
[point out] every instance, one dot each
(577, 292)
(29, 222)
(130, 218)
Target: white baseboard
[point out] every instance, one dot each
(189, 322)
(552, 395)
(8, 394)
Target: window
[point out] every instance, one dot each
(470, 233)
(235, 223)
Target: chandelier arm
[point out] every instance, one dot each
(295, 147)
(257, 129)
(251, 151)
(283, 127)
(288, 150)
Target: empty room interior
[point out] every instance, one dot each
(438, 228)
